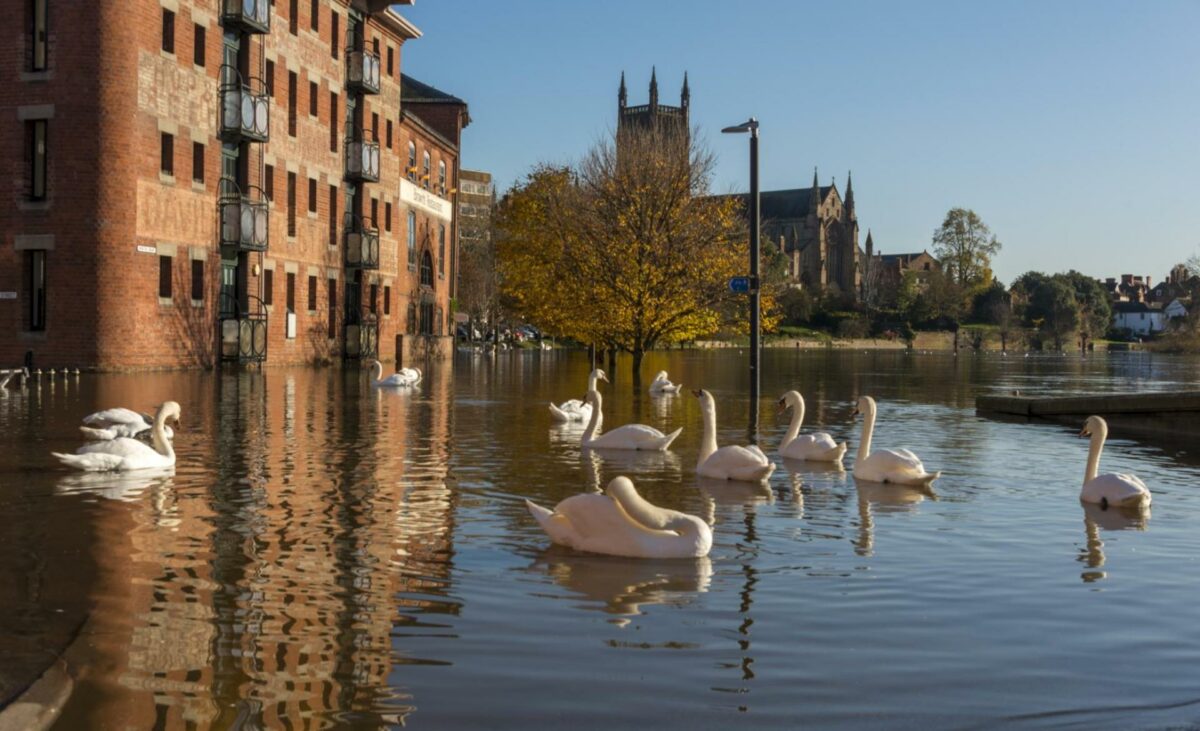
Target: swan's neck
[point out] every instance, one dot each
(708, 443)
(162, 445)
(1097, 446)
(797, 419)
(593, 427)
(864, 444)
(591, 381)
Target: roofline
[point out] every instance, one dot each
(400, 24)
(424, 127)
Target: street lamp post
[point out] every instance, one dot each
(751, 126)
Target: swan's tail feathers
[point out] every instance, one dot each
(539, 513)
(765, 473)
(666, 443)
(558, 414)
(97, 435)
(91, 462)
(928, 478)
(840, 451)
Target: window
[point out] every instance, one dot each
(391, 54)
(198, 162)
(197, 279)
(333, 113)
(291, 204)
(375, 47)
(333, 215)
(312, 195)
(292, 103)
(389, 134)
(442, 176)
(375, 126)
(314, 16)
(425, 170)
(291, 291)
(387, 216)
(293, 16)
(332, 319)
(270, 80)
(35, 277)
(412, 240)
(269, 182)
(374, 297)
(441, 251)
(334, 22)
(35, 133)
(198, 50)
(412, 161)
(167, 156)
(387, 300)
(37, 31)
(412, 318)
(312, 293)
(375, 213)
(168, 31)
(313, 90)
(426, 270)
(164, 277)
(268, 286)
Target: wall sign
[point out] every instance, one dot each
(426, 201)
(142, 249)
(8, 295)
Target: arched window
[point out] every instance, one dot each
(412, 240)
(412, 161)
(441, 251)
(442, 176)
(425, 170)
(426, 270)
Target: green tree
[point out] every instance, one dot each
(1053, 309)
(965, 246)
(1095, 306)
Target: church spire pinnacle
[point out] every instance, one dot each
(815, 198)
(849, 195)
(685, 97)
(653, 87)
(622, 96)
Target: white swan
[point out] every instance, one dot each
(124, 454)
(1117, 490)
(621, 523)
(629, 436)
(898, 466)
(661, 384)
(116, 423)
(731, 462)
(574, 409)
(403, 378)
(817, 447)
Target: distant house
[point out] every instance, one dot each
(1176, 308)
(893, 266)
(1138, 318)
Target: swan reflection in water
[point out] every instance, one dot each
(884, 498)
(1110, 519)
(128, 487)
(729, 493)
(622, 586)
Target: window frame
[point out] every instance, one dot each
(441, 262)
(35, 283)
(166, 154)
(412, 239)
(197, 280)
(199, 45)
(168, 31)
(312, 293)
(197, 162)
(39, 166)
(39, 35)
(165, 284)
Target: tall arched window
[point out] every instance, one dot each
(441, 251)
(412, 161)
(425, 170)
(412, 240)
(442, 176)
(426, 270)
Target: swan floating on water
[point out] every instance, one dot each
(731, 462)
(629, 436)
(125, 454)
(403, 378)
(816, 447)
(576, 410)
(117, 423)
(1117, 490)
(661, 384)
(898, 466)
(622, 523)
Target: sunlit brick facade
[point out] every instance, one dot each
(197, 182)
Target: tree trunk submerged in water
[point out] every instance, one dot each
(637, 354)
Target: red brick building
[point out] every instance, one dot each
(192, 182)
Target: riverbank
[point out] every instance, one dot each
(922, 341)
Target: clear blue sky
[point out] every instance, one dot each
(1072, 128)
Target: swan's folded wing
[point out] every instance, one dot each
(636, 431)
(110, 417)
(906, 457)
(96, 462)
(122, 448)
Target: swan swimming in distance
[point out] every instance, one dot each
(117, 423)
(622, 523)
(403, 378)
(629, 436)
(898, 466)
(661, 384)
(576, 410)
(816, 447)
(125, 454)
(731, 462)
(1116, 490)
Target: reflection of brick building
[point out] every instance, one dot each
(193, 181)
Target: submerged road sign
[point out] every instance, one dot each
(740, 285)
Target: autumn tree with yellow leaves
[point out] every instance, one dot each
(624, 250)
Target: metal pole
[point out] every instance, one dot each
(755, 302)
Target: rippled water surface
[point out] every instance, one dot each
(329, 555)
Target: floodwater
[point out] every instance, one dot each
(329, 555)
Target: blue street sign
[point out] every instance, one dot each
(740, 285)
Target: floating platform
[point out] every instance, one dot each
(1169, 414)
